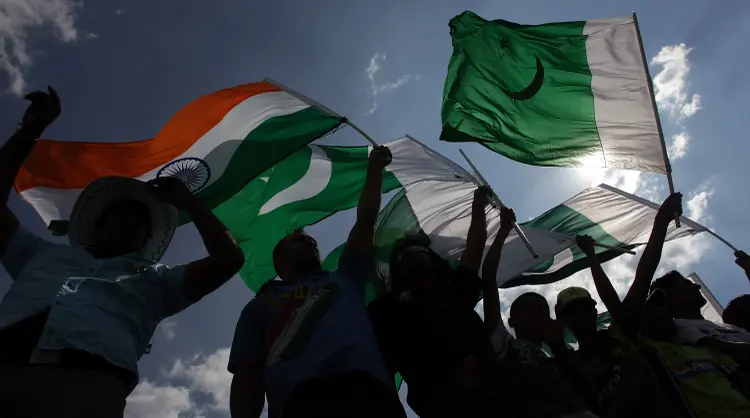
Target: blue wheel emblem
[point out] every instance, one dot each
(194, 172)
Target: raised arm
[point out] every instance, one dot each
(361, 235)
(635, 301)
(477, 236)
(603, 286)
(743, 260)
(225, 258)
(491, 303)
(43, 110)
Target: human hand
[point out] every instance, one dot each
(173, 191)
(672, 206)
(42, 111)
(481, 197)
(742, 260)
(380, 157)
(507, 220)
(586, 244)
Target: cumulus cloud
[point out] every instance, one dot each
(679, 146)
(150, 400)
(167, 329)
(376, 89)
(18, 18)
(194, 387)
(670, 84)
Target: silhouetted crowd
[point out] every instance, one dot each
(78, 317)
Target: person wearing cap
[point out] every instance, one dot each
(612, 358)
(426, 325)
(542, 385)
(702, 383)
(77, 317)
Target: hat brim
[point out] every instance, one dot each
(102, 193)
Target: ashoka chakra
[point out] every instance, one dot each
(194, 172)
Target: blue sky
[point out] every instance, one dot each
(123, 67)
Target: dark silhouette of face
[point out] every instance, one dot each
(529, 314)
(123, 228)
(579, 316)
(296, 252)
(683, 294)
(737, 312)
(415, 264)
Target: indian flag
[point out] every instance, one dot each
(565, 94)
(216, 145)
(608, 215)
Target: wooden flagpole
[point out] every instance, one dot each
(481, 181)
(650, 83)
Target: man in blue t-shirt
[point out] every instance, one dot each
(305, 342)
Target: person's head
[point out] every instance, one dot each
(124, 227)
(576, 309)
(295, 255)
(413, 266)
(737, 312)
(683, 295)
(528, 314)
(659, 324)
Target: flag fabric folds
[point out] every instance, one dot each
(608, 215)
(565, 94)
(216, 144)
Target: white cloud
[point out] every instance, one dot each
(20, 17)
(149, 400)
(197, 377)
(207, 374)
(670, 84)
(679, 146)
(377, 89)
(168, 329)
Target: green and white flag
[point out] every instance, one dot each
(311, 185)
(439, 211)
(608, 215)
(565, 94)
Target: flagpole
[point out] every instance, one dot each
(481, 181)
(361, 132)
(650, 84)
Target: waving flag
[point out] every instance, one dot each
(608, 215)
(313, 184)
(216, 144)
(560, 94)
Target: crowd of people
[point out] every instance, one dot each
(78, 317)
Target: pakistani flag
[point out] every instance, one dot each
(560, 94)
(439, 211)
(310, 186)
(608, 215)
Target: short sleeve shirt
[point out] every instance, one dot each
(106, 307)
(312, 328)
(690, 331)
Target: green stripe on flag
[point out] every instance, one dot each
(272, 141)
(293, 194)
(494, 62)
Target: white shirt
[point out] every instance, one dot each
(690, 331)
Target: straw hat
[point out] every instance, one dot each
(102, 193)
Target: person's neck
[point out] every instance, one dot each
(299, 274)
(586, 339)
(688, 313)
(536, 341)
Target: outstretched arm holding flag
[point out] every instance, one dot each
(43, 110)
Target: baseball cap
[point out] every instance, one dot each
(571, 294)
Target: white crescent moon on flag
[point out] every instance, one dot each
(314, 181)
